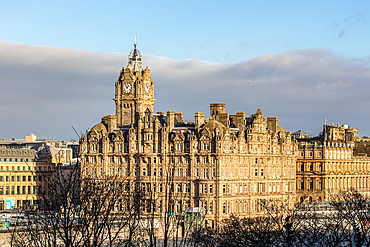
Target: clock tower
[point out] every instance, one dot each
(134, 90)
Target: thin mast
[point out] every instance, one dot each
(325, 131)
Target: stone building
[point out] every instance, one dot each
(25, 167)
(225, 164)
(326, 165)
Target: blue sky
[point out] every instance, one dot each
(301, 61)
(216, 31)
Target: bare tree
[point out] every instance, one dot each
(165, 198)
(341, 222)
(82, 212)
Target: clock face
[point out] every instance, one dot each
(147, 88)
(127, 87)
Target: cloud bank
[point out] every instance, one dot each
(46, 90)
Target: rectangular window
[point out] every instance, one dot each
(205, 173)
(160, 172)
(210, 189)
(204, 189)
(187, 188)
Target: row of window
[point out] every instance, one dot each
(16, 160)
(182, 147)
(17, 190)
(311, 185)
(187, 160)
(256, 188)
(257, 172)
(335, 183)
(242, 207)
(19, 152)
(17, 178)
(336, 167)
(311, 167)
(205, 173)
(24, 168)
(159, 187)
(330, 154)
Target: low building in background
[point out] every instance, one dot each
(328, 164)
(25, 166)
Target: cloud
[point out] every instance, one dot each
(45, 90)
(243, 43)
(206, 44)
(341, 26)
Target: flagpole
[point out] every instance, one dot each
(325, 132)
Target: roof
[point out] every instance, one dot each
(300, 132)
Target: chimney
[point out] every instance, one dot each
(240, 120)
(170, 120)
(110, 121)
(179, 117)
(224, 119)
(272, 123)
(216, 110)
(199, 119)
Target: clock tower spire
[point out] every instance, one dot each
(134, 90)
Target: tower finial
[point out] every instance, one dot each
(135, 38)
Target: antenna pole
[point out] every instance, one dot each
(325, 131)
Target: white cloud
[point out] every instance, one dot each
(45, 90)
